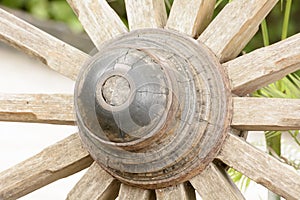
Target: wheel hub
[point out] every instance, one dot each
(153, 107)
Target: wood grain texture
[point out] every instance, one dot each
(146, 14)
(173, 143)
(234, 26)
(266, 113)
(98, 19)
(261, 167)
(95, 184)
(56, 54)
(38, 108)
(190, 16)
(264, 66)
(182, 191)
(55, 162)
(214, 183)
(129, 193)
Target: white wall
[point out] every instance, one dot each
(18, 141)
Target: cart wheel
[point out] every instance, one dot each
(159, 108)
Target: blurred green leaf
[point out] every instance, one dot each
(38, 8)
(13, 4)
(61, 11)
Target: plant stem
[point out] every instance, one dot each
(265, 34)
(286, 19)
(218, 3)
(294, 136)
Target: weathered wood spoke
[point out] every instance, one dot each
(95, 184)
(190, 17)
(39, 108)
(99, 20)
(146, 14)
(129, 193)
(55, 162)
(265, 113)
(261, 167)
(263, 66)
(214, 183)
(56, 54)
(182, 191)
(235, 25)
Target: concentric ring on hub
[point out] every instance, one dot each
(176, 114)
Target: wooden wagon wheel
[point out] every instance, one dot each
(158, 108)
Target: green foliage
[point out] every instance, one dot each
(218, 3)
(61, 11)
(282, 22)
(58, 10)
(13, 4)
(38, 8)
(168, 5)
(239, 178)
(288, 87)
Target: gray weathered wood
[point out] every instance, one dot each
(190, 16)
(251, 113)
(98, 19)
(55, 162)
(214, 183)
(56, 54)
(235, 25)
(182, 191)
(146, 14)
(263, 66)
(129, 193)
(39, 108)
(261, 167)
(95, 184)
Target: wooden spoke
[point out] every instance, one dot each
(214, 183)
(235, 25)
(183, 191)
(261, 167)
(263, 66)
(190, 16)
(55, 162)
(95, 184)
(128, 193)
(266, 114)
(40, 108)
(146, 14)
(56, 54)
(99, 20)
